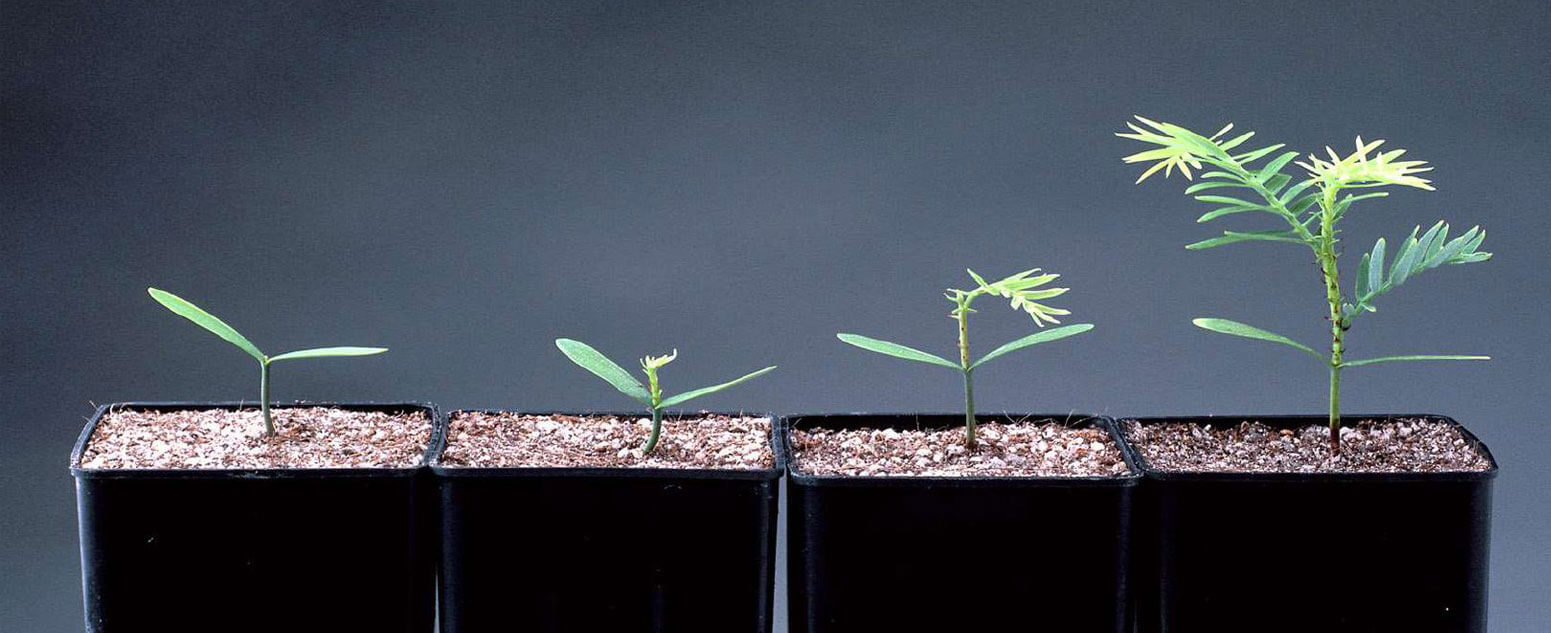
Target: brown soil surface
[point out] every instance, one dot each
(305, 437)
(510, 440)
(1398, 446)
(1043, 448)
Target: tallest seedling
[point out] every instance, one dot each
(1311, 206)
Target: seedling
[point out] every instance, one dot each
(594, 361)
(218, 327)
(1312, 206)
(1025, 294)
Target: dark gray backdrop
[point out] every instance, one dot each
(464, 183)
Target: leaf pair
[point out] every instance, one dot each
(1415, 255)
(594, 361)
(909, 353)
(183, 308)
(1235, 328)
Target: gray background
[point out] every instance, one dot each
(464, 183)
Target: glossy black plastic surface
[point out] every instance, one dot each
(608, 549)
(257, 550)
(935, 554)
(1301, 552)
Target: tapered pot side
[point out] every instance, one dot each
(904, 553)
(1333, 552)
(257, 549)
(608, 549)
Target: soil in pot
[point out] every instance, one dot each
(1016, 448)
(896, 525)
(189, 515)
(1235, 514)
(514, 440)
(555, 522)
(1404, 445)
(305, 437)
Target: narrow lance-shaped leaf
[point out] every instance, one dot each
(1414, 357)
(594, 361)
(896, 350)
(1234, 237)
(1224, 326)
(1035, 339)
(205, 320)
(690, 395)
(328, 352)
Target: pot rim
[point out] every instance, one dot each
(773, 473)
(1286, 420)
(433, 447)
(1131, 478)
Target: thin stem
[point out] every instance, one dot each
(651, 442)
(1338, 324)
(969, 385)
(269, 423)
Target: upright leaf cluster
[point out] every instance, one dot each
(1310, 207)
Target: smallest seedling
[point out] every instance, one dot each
(594, 361)
(218, 327)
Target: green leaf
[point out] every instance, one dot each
(328, 352)
(1275, 166)
(1395, 359)
(1250, 157)
(1235, 328)
(690, 395)
(1233, 237)
(1203, 186)
(1362, 276)
(1217, 213)
(205, 320)
(896, 350)
(1226, 200)
(1035, 339)
(594, 361)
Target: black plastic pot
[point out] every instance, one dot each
(1301, 552)
(257, 550)
(956, 554)
(608, 549)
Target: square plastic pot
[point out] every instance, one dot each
(956, 553)
(1301, 552)
(202, 550)
(608, 549)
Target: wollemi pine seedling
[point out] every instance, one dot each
(218, 327)
(1025, 293)
(594, 361)
(1311, 206)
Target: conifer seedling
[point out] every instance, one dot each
(1311, 206)
(218, 327)
(650, 396)
(1025, 293)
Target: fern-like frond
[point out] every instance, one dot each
(1414, 255)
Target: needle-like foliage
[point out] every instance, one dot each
(1310, 207)
(1024, 291)
(649, 395)
(203, 319)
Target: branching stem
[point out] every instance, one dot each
(1327, 259)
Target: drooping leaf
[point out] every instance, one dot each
(1035, 339)
(203, 319)
(895, 349)
(1414, 357)
(1224, 326)
(690, 395)
(594, 361)
(328, 352)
